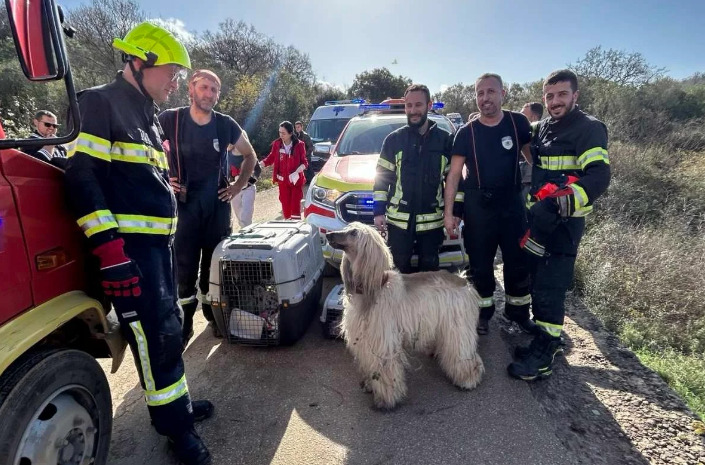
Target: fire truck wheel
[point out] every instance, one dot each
(55, 407)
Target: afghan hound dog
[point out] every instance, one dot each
(388, 314)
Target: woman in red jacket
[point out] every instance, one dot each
(288, 155)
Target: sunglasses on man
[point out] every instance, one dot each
(49, 125)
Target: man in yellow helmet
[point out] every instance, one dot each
(118, 184)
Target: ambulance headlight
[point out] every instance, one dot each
(326, 197)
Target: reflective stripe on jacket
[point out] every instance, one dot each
(117, 174)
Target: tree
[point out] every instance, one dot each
(616, 66)
(378, 84)
(239, 48)
(458, 98)
(519, 94)
(325, 92)
(93, 58)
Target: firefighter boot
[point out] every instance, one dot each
(483, 326)
(202, 410)
(539, 361)
(208, 314)
(187, 328)
(522, 352)
(189, 448)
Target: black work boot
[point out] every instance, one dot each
(483, 326)
(208, 314)
(527, 325)
(521, 352)
(187, 327)
(538, 361)
(202, 410)
(189, 449)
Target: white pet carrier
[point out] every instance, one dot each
(266, 281)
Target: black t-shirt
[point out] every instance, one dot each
(496, 152)
(200, 150)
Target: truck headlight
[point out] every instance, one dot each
(325, 196)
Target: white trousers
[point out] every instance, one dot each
(243, 206)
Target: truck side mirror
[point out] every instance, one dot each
(36, 30)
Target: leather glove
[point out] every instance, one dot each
(121, 276)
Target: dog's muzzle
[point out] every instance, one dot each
(332, 237)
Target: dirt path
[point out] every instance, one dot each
(302, 406)
(607, 407)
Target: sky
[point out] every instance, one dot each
(444, 42)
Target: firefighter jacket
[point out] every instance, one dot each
(117, 174)
(411, 171)
(574, 145)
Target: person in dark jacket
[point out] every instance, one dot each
(199, 140)
(45, 127)
(408, 188)
(118, 185)
(491, 148)
(308, 143)
(571, 164)
(533, 112)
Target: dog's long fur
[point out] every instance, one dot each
(386, 314)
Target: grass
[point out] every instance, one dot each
(684, 373)
(640, 267)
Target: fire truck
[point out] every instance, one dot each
(55, 403)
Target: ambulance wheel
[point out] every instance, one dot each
(56, 408)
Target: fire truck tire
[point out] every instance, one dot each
(55, 407)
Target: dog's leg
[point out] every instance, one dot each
(457, 354)
(388, 384)
(382, 374)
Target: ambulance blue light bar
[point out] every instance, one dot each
(343, 102)
(375, 106)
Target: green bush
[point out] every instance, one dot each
(640, 265)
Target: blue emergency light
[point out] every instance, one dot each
(437, 105)
(375, 106)
(343, 102)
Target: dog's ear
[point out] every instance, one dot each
(347, 273)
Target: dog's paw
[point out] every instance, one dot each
(384, 405)
(365, 385)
